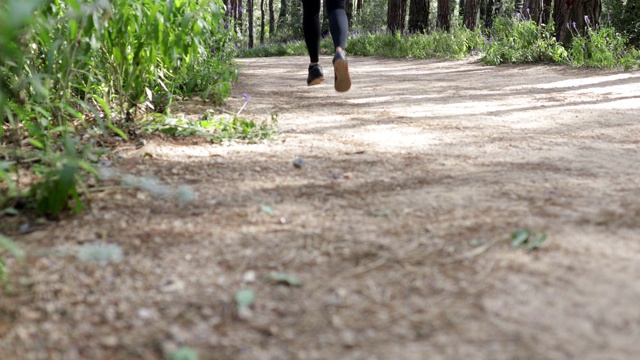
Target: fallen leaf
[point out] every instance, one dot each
(286, 279)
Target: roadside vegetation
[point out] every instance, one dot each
(510, 40)
(79, 77)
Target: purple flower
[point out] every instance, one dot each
(239, 8)
(246, 101)
(586, 19)
(573, 24)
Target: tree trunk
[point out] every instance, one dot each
(250, 16)
(282, 16)
(359, 6)
(348, 7)
(418, 16)
(443, 17)
(261, 21)
(239, 12)
(272, 19)
(546, 11)
(461, 7)
(519, 5)
(494, 8)
(533, 10)
(396, 15)
(471, 14)
(324, 26)
(575, 16)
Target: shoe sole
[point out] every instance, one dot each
(316, 81)
(343, 80)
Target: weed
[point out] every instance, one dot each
(601, 48)
(184, 353)
(13, 249)
(522, 41)
(68, 68)
(216, 127)
(527, 239)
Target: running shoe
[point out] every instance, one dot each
(341, 70)
(315, 75)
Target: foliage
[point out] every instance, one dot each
(624, 17)
(372, 18)
(290, 48)
(456, 44)
(285, 279)
(74, 71)
(602, 48)
(184, 353)
(13, 249)
(527, 239)
(522, 41)
(244, 299)
(216, 128)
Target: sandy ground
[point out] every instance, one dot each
(398, 224)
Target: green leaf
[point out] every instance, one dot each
(267, 209)
(117, 131)
(36, 143)
(519, 237)
(184, 353)
(12, 247)
(286, 279)
(538, 241)
(11, 211)
(103, 104)
(380, 213)
(244, 298)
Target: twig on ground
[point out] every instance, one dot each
(468, 255)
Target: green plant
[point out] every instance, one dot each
(456, 44)
(527, 239)
(601, 48)
(74, 71)
(13, 249)
(184, 353)
(62, 181)
(522, 41)
(216, 127)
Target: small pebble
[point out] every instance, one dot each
(249, 276)
(298, 162)
(144, 313)
(140, 144)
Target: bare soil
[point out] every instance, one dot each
(398, 224)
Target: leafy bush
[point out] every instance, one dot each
(522, 41)
(275, 49)
(602, 48)
(73, 71)
(456, 44)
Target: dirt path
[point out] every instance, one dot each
(398, 224)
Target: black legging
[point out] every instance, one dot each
(338, 25)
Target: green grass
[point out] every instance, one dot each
(217, 128)
(508, 41)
